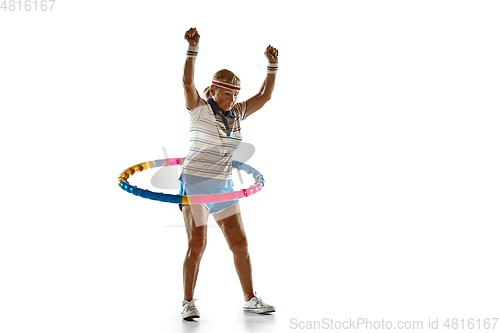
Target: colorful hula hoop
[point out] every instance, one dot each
(188, 199)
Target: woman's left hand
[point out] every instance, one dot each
(271, 54)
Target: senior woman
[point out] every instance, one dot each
(215, 135)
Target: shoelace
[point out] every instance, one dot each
(257, 301)
(189, 306)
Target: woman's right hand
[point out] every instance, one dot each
(192, 37)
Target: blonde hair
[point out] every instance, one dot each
(224, 75)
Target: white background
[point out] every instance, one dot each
(379, 149)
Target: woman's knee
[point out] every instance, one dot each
(239, 245)
(197, 245)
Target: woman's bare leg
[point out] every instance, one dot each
(232, 228)
(197, 241)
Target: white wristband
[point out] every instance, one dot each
(272, 68)
(192, 51)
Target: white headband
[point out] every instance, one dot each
(225, 85)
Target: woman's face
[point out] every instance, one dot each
(224, 98)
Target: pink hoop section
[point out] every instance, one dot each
(222, 197)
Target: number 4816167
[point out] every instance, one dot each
(471, 323)
(27, 5)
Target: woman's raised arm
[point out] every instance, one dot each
(265, 92)
(190, 92)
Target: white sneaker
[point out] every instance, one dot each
(256, 305)
(189, 311)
